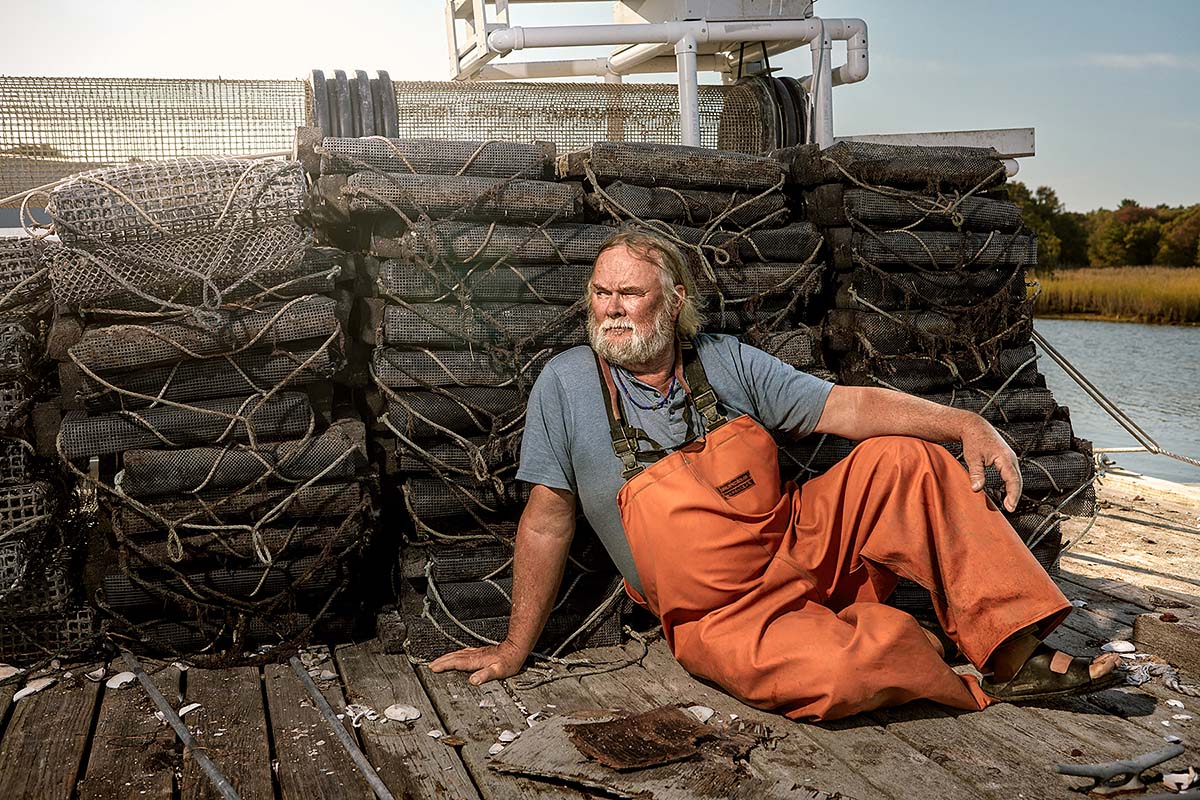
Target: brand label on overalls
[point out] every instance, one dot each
(735, 486)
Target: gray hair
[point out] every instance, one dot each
(673, 270)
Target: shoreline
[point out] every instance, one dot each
(1089, 316)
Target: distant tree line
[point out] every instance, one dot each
(1132, 235)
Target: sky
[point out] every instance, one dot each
(1111, 87)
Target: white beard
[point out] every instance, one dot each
(636, 349)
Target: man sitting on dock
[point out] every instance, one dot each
(774, 592)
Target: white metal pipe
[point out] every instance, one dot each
(821, 91)
(517, 38)
(585, 67)
(689, 98)
(632, 58)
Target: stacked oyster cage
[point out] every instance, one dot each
(759, 270)
(475, 263)
(200, 335)
(929, 262)
(41, 616)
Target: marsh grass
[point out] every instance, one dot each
(1136, 294)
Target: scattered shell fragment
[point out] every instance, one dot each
(119, 680)
(1181, 781)
(33, 687)
(96, 675)
(1175, 704)
(7, 671)
(494, 749)
(534, 718)
(401, 713)
(1166, 723)
(1173, 739)
(487, 702)
(1181, 717)
(358, 712)
(702, 713)
(182, 666)
(435, 734)
(507, 736)
(733, 717)
(453, 741)
(1079, 603)
(326, 675)
(189, 707)
(1119, 646)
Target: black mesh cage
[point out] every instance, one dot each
(928, 168)
(899, 332)
(241, 375)
(799, 242)
(233, 419)
(489, 159)
(833, 205)
(680, 166)
(566, 243)
(145, 202)
(459, 197)
(325, 500)
(25, 506)
(338, 453)
(31, 639)
(951, 289)
(33, 583)
(17, 349)
(1021, 404)
(913, 374)
(560, 284)
(16, 460)
(488, 454)
(939, 250)
(469, 411)
(422, 369)
(800, 347)
(624, 200)
(15, 401)
(239, 546)
(23, 281)
(445, 325)
(122, 347)
(211, 265)
(429, 499)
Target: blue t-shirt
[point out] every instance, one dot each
(567, 443)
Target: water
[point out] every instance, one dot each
(1151, 372)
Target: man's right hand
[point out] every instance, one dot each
(493, 663)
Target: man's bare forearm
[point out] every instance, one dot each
(540, 556)
(860, 412)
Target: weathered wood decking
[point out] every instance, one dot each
(79, 739)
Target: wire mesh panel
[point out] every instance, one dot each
(899, 332)
(25, 507)
(54, 127)
(1001, 406)
(574, 115)
(943, 249)
(950, 289)
(15, 402)
(32, 639)
(16, 460)
(244, 546)
(915, 374)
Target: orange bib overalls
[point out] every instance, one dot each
(776, 593)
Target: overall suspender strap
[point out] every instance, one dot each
(624, 436)
(699, 389)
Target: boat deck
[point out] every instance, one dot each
(79, 739)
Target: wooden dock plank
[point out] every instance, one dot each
(458, 704)
(312, 763)
(231, 726)
(407, 759)
(804, 752)
(43, 750)
(133, 753)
